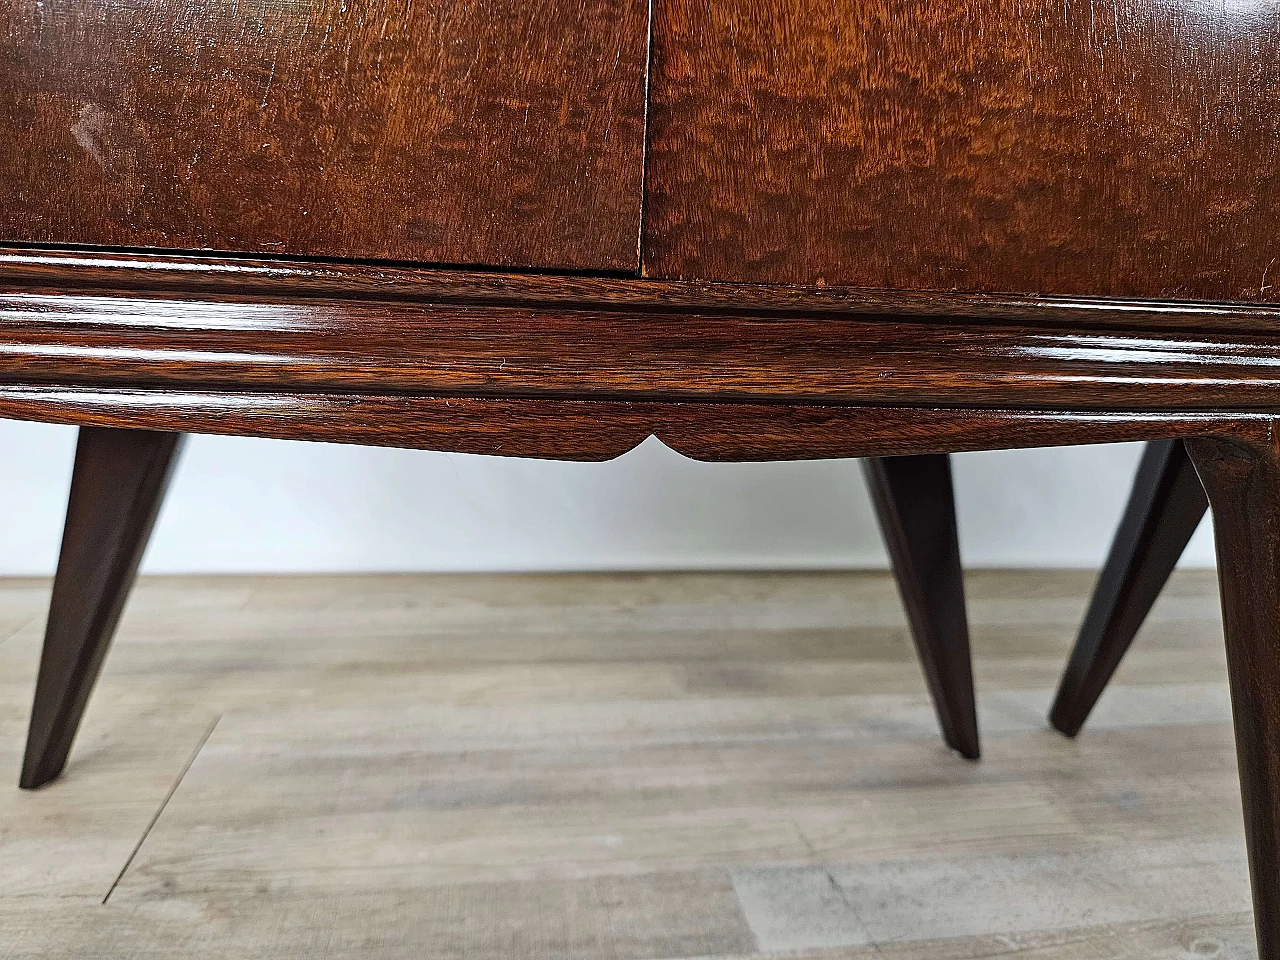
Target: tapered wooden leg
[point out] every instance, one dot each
(1243, 483)
(1165, 507)
(916, 508)
(118, 483)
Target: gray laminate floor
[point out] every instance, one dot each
(649, 766)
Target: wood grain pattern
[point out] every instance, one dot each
(301, 281)
(504, 350)
(593, 926)
(593, 430)
(1241, 476)
(459, 131)
(1087, 147)
(1020, 147)
(594, 767)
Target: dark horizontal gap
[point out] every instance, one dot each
(304, 259)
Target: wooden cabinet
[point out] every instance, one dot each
(757, 229)
(1075, 148)
(456, 131)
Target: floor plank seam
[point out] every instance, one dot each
(835, 887)
(849, 905)
(604, 792)
(160, 810)
(18, 629)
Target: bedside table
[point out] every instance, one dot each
(757, 229)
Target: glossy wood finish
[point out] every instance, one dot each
(593, 430)
(1164, 509)
(1125, 149)
(503, 346)
(1031, 150)
(117, 486)
(916, 509)
(1242, 479)
(455, 131)
(301, 282)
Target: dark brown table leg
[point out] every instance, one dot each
(914, 502)
(1164, 509)
(119, 481)
(1243, 483)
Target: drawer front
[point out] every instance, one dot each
(452, 131)
(1050, 146)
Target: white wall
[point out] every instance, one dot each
(258, 505)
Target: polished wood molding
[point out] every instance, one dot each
(55, 270)
(117, 485)
(1165, 506)
(503, 346)
(591, 430)
(1241, 476)
(915, 506)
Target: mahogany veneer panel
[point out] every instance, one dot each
(451, 131)
(1128, 148)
